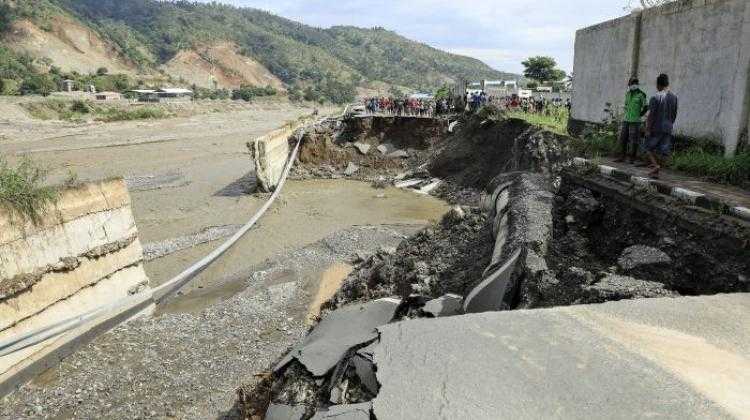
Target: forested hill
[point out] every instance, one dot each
(150, 34)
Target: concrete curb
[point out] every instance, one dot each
(687, 196)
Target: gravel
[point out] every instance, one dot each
(188, 366)
(154, 250)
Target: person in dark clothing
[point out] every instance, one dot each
(662, 115)
(636, 106)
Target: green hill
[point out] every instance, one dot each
(326, 63)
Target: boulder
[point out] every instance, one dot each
(363, 148)
(447, 305)
(640, 255)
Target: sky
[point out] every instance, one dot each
(502, 33)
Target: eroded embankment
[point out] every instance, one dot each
(545, 236)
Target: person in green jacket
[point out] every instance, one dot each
(636, 106)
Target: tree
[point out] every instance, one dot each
(102, 71)
(542, 69)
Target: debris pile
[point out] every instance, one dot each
(448, 257)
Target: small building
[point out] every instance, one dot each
(145, 95)
(175, 93)
(108, 96)
(68, 85)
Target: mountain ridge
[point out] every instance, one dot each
(328, 63)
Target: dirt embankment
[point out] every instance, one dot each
(220, 65)
(68, 45)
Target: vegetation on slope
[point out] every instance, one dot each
(315, 63)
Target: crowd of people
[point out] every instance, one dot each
(413, 107)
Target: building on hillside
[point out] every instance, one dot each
(171, 94)
(709, 74)
(164, 94)
(108, 96)
(68, 85)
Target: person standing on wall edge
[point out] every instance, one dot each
(636, 106)
(660, 124)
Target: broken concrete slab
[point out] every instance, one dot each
(285, 412)
(490, 293)
(363, 148)
(641, 255)
(345, 412)
(447, 305)
(386, 148)
(398, 154)
(408, 183)
(614, 287)
(351, 169)
(338, 332)
(430, 187)
(665, 358)
(365, 370)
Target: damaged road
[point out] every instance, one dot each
(430, 330)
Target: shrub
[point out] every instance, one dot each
(716, 167)
(80, 107)
(22, 188)
(144, 113)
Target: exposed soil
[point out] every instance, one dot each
(598, 237)
(448, 257)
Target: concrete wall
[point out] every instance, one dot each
(704, 46)
(270, 154)
(82, 254)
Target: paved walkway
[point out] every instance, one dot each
(727, 193)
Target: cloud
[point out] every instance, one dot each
(500, 32)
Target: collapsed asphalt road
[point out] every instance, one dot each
(540, 241)
(187, 361)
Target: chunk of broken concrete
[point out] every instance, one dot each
(345, 412)
(408, 183)
(351, 169)
(430, 187)
(398, 154)
(615, 287)
(285, 412)
(363, 148)
(386, 148)
(489, 294)
(447, 305)
(365, 370)
(338, 332)
(641, 255)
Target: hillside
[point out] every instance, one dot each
(226, 46)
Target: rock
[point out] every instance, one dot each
(386, 148)
(454, 216)
(363, 148)
(430, 187)
(380, 183)
(576, 276)
(285, 412)
(640, 255)
(615, 287)
(582, 205)
(351, 169)
(447, 305)
(338, 332)
(345, 412)
(398, 154)
(408, 183)
(365, 371)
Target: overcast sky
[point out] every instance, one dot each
(502, 33)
